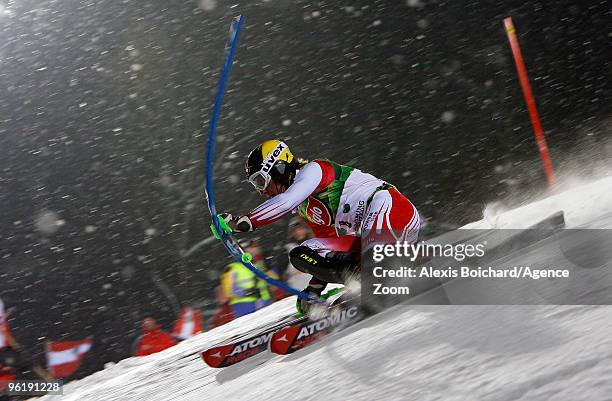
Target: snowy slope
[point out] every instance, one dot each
(416, 352)
(585, 206)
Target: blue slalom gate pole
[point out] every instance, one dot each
(228, 239)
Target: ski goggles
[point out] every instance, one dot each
(260, 180)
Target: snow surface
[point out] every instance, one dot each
(417, 352)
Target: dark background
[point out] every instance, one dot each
(104, 109)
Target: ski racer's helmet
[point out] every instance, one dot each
(270, 160)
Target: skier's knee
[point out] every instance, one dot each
(305, 259)
(317, 244)
(324, 268)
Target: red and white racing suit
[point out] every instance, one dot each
(345, 207)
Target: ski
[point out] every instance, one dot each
(301, 334)
(259, 329)
(247, 345)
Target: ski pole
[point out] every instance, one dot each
(226, 237)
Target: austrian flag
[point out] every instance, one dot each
(188, 324)
(5, 333)
(64, 357)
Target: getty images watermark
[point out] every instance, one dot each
(492, 267)
(458, 252)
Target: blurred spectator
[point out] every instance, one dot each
(244, 290)
(10, 367)
(259, 260)
(276, 292)
(153, 339)
(6, 339)
(298, 233)
(13, 364)
(224, 311)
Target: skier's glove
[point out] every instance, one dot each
(224, 220)
(229, 224)
(243, 224)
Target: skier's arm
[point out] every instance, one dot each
(306, 182)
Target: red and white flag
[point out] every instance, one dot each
(64, 357)
(4, 333)
(188, 324)
(4, 328)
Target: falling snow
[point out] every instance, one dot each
(105, 107)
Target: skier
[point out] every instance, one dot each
(346, 209)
